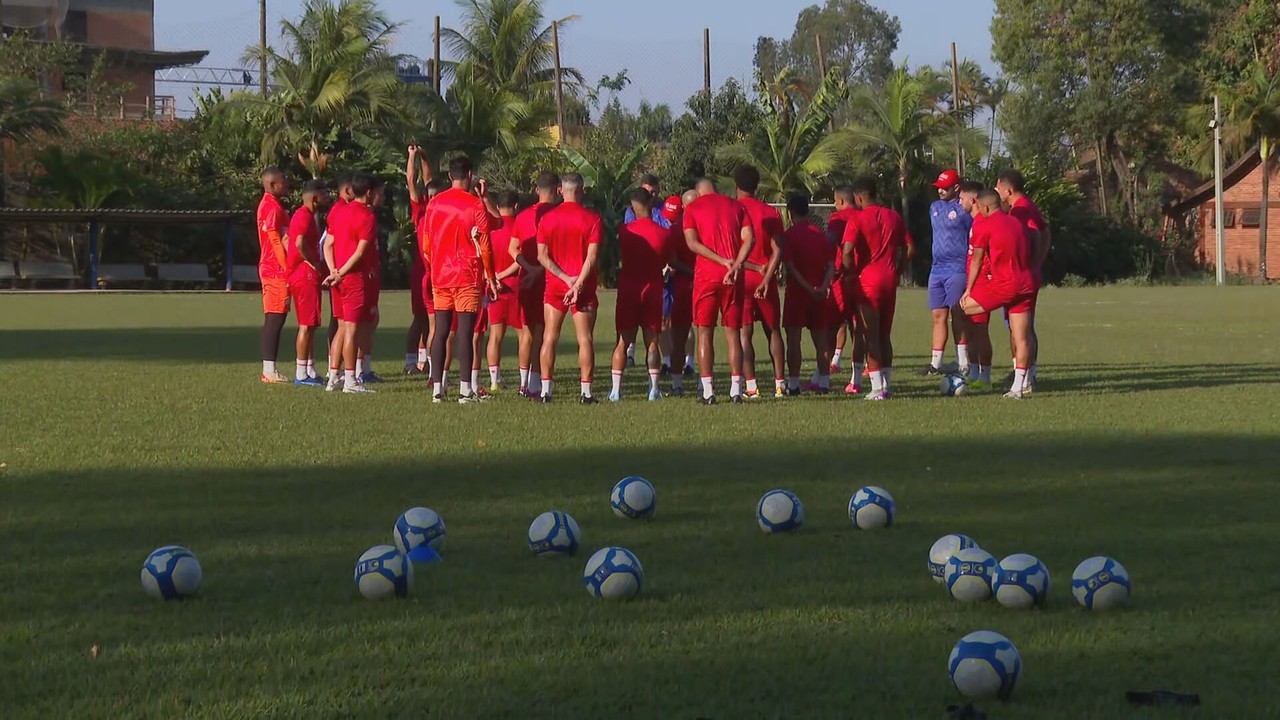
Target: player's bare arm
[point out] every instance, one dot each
(1044, 242)
(549, 265)
(771, 269)
(975, 268)
(748, 242)
(353, 261)
(308, 251)
(695, 244)
(411, 174)
(828, 277)
(798, 280)
(328, 258)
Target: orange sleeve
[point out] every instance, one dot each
(485, 242)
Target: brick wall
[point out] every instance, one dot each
(1241, 243)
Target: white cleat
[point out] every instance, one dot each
(334, 385)
(878, 396)
(615, 397)
(1011, 395)
(655, 395)
(357, 388)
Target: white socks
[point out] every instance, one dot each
(753, 386)
(422, 356)
(437, 389)
(617, 382)
(707, 389)
(877, 381)
(653, 380)
(962, 354)
(546, 387)
(1019, 380)
(475, 378)
(835, 357)
(585, 388)
(300, 372)
(778, 384)
(269, 368)
(937, 359)
(495, 375)
(735, 385)
(350, 377)
(464, 389)
(524, 378)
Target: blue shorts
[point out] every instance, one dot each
(946, 289)
(668, 297)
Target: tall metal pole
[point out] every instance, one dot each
(262, 45)
(1220, 233)
(706, 61)
(435, 63)
(555, 42)
(955, 105)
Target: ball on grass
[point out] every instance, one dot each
(969, 575)
(633, 497)
(1100, 583)
(383, 572)
(553, 533)
(941, 552)
(1021, 581)
(613, 573)
(418, 526)
(984, 665)
(954, 385)
(171, 573)
(871, 508)
(779, 511)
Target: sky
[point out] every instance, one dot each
(661, 49)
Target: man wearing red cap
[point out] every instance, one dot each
(951, 225)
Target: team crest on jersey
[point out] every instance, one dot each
(951, 215)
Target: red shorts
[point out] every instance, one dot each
(765, 311)
(995, 294)
(506, 310)
(802, 310)
(554, 298)
(881, 294)
(304, 288)
(335, 302)
(420, 300)
(717, 299)
(359, 302)
(275, 296)
(639, 305)
(532, 302)
(846, 310)
(682, 302)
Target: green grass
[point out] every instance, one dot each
(134, 421)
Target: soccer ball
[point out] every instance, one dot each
(418, 526)
(941, 552)
(171, 572)
(633, 497)
(954, 385)
(780, 511)
(983, 665)
(871, 508)
(383, 572)
(1100, 583)
(1021, 581)
(969, 574)
(613, 573)
(553, 533)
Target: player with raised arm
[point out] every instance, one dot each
(874, 242)
(504, 310)
(951, 225)
(419, 287)
(1012, 189)
(351, 256)
(1011, 286)
(304, 267)
(760, 301)
(846, 309)
(533, 280)
(569, 239)
(460, 258)
(718, 231)
(273, 227)
(811, 269)
(646, 248)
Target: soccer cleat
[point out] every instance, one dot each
(1011, 395)
(677, 391)
(483, 395)
(309, 382)
(357, 389)
(962, 370)
(588, 400)
(736, 400)
(545, 399)
(690, 373)
(752, 395)
(334, 384)
(666, 370)
(530, 393)
(835, 368)
(876, 396)
(930, 371)
(852, 389)
(615, 397)
(655, 395)
(473, 398)
(779, 392)
(371, 378)
(276, 379)
(413, 370)
(437, 399)
(709, 400)
(793, 392)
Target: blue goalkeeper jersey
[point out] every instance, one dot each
(951, 225)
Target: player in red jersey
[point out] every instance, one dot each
(533, 279)
(504, 311)
(874, 241)
(846, 309)
(718, 230)
(419, 302)
(760, 301)
(646, 248)
(810, 272)
(1010, 286)
(976, 328)
(273, 226)
(681, 314)
(332, 223)
(304, 278)
(352, 255)
(461, 260)
(1011, 186)
(569, 239)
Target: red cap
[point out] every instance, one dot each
(948, 179)
(671, 208)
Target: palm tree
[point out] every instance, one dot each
(479, 119)
(336, 76)
(25, 113)
(992, 98)
(794, 150)
(1253, 118)
(899, 126)
(508, 44)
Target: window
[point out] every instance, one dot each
(1250, 217)
(1228, 218)
(76, 27)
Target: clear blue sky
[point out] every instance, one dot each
(661, 48)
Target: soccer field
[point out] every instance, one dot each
(135, 421)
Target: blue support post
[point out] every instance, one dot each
(94, 233)
(229, 260)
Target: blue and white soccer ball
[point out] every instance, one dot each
(1021, 582)
(954, 385)
(419, 526)
(941, 552)
(1100, 583)
(613, 573)
(554, 533)
(633, 497)
(969, 575)
(171, 572)
(780, 511)
(871, 508)
(985, 664)
(383, 572)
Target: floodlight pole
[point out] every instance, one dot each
(262, 46)
(555, 42)
(1220, 233)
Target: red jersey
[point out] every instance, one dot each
(646, 247)
(766, 223)
(501, 239)
(568, 230)
(718, 220)
(985, 272)
(417, 210)
(681, 250)
(1004, 238)
(877, 234)
(457, 228)
(1029, 215)
(809, 252)
(358, 224)
(526, 229)
(303, 223)
(272, 218)
(836, 225)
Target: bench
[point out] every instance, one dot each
(8, 275)
(34, 272)
(123, 273)
(183, 273)
(245, 275)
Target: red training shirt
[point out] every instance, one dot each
(457, 227)
(501, 239)
(272, 218)
(358, 223)
(1003, 237)
(568, 230)
(836, 225)
(646, 247)
(766, 223)
(303, 223)
(526, 229)
(718, 220)
(985, 272)
(877, 234)
(808, 250)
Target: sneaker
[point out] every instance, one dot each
(835, 368)
(370, 378)
(482, 395)
(1011, 395)
(707, 400)
(930, 371)
(588, 400)
(690, 373)
(413, 370)
(736, 400)
(779, 392)
(530, 393)
(309, 382)
(677, 391)
(752, 394)
(334, 384)
(882, 395)
(437, 399)
(276, 379)
(962, 370)
(852, 389)
(655, 395)
(666, 370)
(473, 398)
(545, 399)
(357, 389)
(615, 397)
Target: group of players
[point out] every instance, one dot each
(688, 263)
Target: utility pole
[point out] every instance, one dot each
(706, 61)
(262, 45)
(435, 62)
(955, 106)
(555, 42)
(1220, 233)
